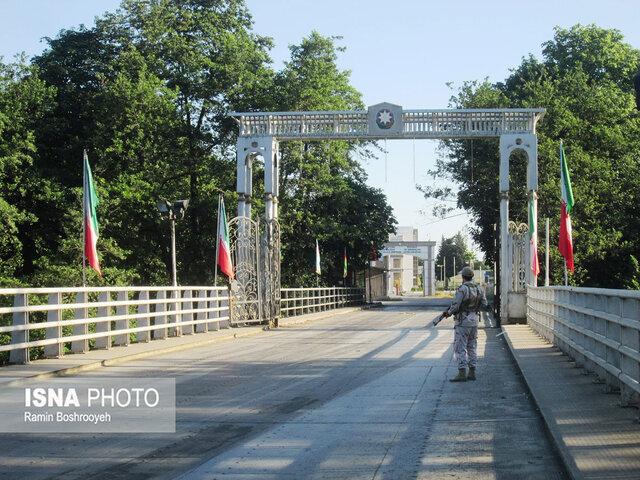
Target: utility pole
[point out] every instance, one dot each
(173, 211)
(546, 256)
(444, 261)
(174, 273)
(369, 268)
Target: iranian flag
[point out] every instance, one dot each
(345, 267)
(223, 253)
(90, 203)
(533, 234)
(565, 244)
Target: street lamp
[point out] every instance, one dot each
(172, 212)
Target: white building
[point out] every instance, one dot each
(401, 257)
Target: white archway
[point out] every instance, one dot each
(261, 132)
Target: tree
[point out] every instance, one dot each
(584, 80)
(453, 251)
(324, 195)
(24, 99)
(148, 91)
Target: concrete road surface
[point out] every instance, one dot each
(363, 395)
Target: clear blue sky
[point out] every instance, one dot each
(398, 51)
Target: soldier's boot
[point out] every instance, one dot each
(472, 373)
(461, 377)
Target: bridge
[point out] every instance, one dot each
(273, 382)
(342, 389)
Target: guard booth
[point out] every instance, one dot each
(258, 140)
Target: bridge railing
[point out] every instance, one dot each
(299, 301)
(50, 322)
(598, 328)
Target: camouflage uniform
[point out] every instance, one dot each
(466, 306)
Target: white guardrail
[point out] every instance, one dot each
(598, 328)
(52, 322)
(299, 301)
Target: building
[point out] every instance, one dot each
(403, 268)
(402, 256)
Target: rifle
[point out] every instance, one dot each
(438, 319)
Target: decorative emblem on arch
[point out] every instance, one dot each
(385, 119)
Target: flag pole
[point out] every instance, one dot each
(215, 275)
(566, 280)
(84, 218)
(546, 259)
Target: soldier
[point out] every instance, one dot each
(466, 308)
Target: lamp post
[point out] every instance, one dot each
(173, 211)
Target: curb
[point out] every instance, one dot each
(556, 439)
(68, 371)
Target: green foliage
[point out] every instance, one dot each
(323, 191)
(584, 80)
(23, 102)
(453, 248)
(148, 91)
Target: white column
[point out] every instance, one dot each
(505, 274)
(270, 152)
(248, 185)
(530, 144)
(425, 278)
(241, 174)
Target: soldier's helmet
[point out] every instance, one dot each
(467, 272)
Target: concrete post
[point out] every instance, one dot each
(20, 355)
(161, 319)
(122, 339)
(187, 317)
(176, 318)
(144, 321)
(104, 342)
(202, 305)
(81, 346)
(214, 314)
(55, 350)
(227, 312)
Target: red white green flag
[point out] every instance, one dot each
(533, 234)
(224, 250)
(345, 267)
(565, 243)
(90, 203)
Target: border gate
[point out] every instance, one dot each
(259, 137)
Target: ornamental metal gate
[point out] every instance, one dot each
(518, 266)
(519, 256)
(255, 253)
(245, 304)
(270, 268)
